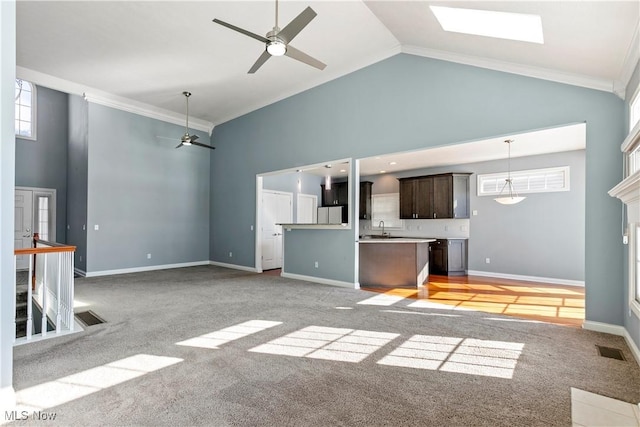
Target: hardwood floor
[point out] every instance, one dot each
(559, 304)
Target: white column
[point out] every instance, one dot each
(7, 188)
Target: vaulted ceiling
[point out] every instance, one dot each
(146, 53)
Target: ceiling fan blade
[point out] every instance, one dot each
(297, 24)
(193, 138)
(166, 137)
(261, 60)
(203, 145)
(240, 30)
(294, 53)
(179, 145)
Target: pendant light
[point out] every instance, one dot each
(509, 197)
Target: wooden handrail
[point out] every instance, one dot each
(33, 251)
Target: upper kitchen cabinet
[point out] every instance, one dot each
(365, 199)
(435, 196)
(338, 194)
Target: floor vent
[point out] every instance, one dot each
(89, 318)
(612, 353)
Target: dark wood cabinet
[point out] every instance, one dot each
(365, 199)
(338, 194)
(448, 257)
(435, 196)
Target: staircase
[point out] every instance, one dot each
(21, 310)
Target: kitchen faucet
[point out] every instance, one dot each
(381, 225)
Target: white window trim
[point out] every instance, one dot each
(634, 305)
(514, 174)
(34, 114)
(635, 99)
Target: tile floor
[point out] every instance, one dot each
(589, 409)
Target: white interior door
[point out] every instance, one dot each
(277, 208)
(22, 234)
(307, 209)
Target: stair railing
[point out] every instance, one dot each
(51, 278)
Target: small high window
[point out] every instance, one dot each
(526, 181)
(25, 110)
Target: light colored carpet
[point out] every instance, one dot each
(148, 313)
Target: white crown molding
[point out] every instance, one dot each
(631, 59)
(510, 67)
(97, 96)
(325, 77)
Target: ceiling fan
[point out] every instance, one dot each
(188, 139)
(277, 40)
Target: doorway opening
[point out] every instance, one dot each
(35, 212)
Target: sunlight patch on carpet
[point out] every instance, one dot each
(75, 386)
(215, 339)
(317, 342)
(449, 354)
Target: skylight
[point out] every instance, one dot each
(503, 25)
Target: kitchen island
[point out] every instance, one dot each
(394, 262)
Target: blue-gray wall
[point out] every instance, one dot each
(43, 162)
(146, 196)
(77, 179)
(543, 236)
(406, 103)
(288, 182)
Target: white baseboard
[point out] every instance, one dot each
(320, 280)
(526, 278)
(80, 272)
(614, 330)
(146, 268)
(235, 266)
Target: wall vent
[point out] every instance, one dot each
(89, 318)
(612, 353)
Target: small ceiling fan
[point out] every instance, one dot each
(277, 40)
(188, 139)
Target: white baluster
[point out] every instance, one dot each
(58, 295)
(72, 287)
(29, 299)
(43, 291)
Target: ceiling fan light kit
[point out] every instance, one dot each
(510, 197)
(277, 41)
(188, 139)
(276, 48)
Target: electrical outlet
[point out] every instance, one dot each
(84, 227)
(316, 264)
(80, 258)
(252, 228)
(96, 227)
(148, 256)
(446, 228)
(230, 254)
(419, 227)
(474, 212)
(463, 228)
(487, 260)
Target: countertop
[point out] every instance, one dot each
(396, 240)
